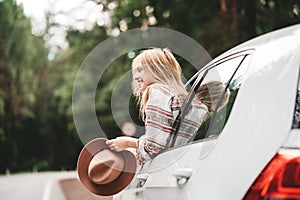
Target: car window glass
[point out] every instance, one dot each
(296, 118)
(197, 124)
(230, 74)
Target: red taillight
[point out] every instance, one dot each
(280, 179)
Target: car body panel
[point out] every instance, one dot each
(293, 141)
(224, 167)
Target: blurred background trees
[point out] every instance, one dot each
(36, 125)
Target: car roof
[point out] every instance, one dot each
(254, 44)
(277, 43)
(264, 40)
(269, 37)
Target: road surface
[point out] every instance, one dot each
(44, 186)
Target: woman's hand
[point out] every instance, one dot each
(121, 143)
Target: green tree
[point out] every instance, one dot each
(22, 59)
(202, 20)
(36, 122)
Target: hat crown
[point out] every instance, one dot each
(105, 167)
(94, 166)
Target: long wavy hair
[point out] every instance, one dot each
(210, 93)
(162, 67)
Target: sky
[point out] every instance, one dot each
(78, 14)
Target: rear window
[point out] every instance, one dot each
(296, 119)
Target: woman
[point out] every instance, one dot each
(158, 86)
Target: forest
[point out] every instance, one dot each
(37, 130)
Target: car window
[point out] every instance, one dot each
(296, 119)
(229, 74)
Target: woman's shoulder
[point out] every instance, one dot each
(161, 88)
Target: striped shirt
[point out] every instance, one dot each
(161, 110)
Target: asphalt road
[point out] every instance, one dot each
(44, 186)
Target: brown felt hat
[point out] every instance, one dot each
(102, 171)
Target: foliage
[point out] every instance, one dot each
(36, 124)
(21, 71)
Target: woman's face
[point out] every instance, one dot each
(142, 78)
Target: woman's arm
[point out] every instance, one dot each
(121, 143)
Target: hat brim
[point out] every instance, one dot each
(85, 157)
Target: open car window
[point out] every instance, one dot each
(228, 75)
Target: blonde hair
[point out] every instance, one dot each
(162, 67)
(210, 93)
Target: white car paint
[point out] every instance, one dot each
(225, 167)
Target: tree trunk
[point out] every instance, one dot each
(250, 10)
(229, 6)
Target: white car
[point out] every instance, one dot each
(249, 149)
